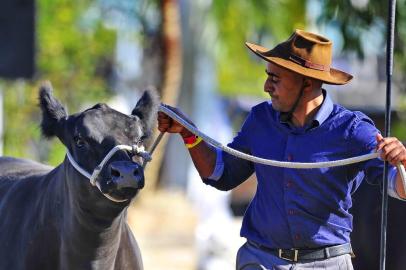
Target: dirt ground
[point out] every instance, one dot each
(164, 224)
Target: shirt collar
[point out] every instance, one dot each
(325, 110)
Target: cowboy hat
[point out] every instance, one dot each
(304, 53)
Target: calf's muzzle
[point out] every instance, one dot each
(127, 174)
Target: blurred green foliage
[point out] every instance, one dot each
(399, 130)
(76, 59)
(353, 21)
(263, 22)
(399, 127)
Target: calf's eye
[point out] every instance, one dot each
(79, 141)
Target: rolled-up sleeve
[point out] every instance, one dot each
(219, 168)
(392, 184)
(234, 172)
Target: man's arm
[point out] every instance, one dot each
(400, 189)
(393, 151)
(204, 158)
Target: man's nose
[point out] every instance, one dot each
(268, 87)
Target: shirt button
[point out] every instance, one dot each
(289, 184)
(297, 236)
(290, 157)
(291, 212)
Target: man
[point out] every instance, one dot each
(298, 219)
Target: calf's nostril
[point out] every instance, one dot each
(114, 172)
(136, 173)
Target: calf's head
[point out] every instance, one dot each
(91, 135)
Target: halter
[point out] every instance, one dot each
(138, 150)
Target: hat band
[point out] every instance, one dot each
(307, 63)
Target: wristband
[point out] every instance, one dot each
(192, 141)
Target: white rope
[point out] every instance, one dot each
(284, 164)
(76, 166)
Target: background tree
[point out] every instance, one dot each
(75, 58)
(359, 19)
(237, 21)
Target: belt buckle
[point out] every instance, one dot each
(295, 254)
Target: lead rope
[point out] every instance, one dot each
(270, 162)
(284, 164)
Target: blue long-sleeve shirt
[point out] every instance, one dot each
(300, 208)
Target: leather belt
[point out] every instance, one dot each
(295, 255)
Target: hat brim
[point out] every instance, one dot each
(333, 76)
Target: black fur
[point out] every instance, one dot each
(149, 99)
(52, 111)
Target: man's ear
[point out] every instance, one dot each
(307, 83)
(53, 113)
(311, 84)
(147, 109)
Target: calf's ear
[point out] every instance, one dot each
(53, 113)
(147, 108)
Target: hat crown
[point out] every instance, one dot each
(307, 49)
(311, 47)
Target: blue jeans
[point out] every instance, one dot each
(250, 257)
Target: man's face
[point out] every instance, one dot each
(283, 86)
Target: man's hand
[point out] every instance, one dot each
(203, 155)
(392, 150)
(167, 124)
